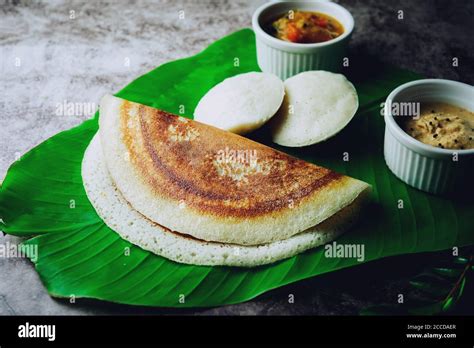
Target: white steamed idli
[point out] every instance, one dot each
(242, 103)
(317, 105)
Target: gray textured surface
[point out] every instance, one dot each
(78, 60)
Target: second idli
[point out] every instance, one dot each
(317, 105)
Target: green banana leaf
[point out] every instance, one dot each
(42, 198)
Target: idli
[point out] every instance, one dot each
(317, 105)
(242, 103)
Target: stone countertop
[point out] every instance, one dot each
(58, 52)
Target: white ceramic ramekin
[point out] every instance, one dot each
(286, 59)
(425, 167)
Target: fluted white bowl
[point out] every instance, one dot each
(425, 167)
(286, 59)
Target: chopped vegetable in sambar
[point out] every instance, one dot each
(307, 27)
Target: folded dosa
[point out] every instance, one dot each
(181, 174)
(137, 229)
